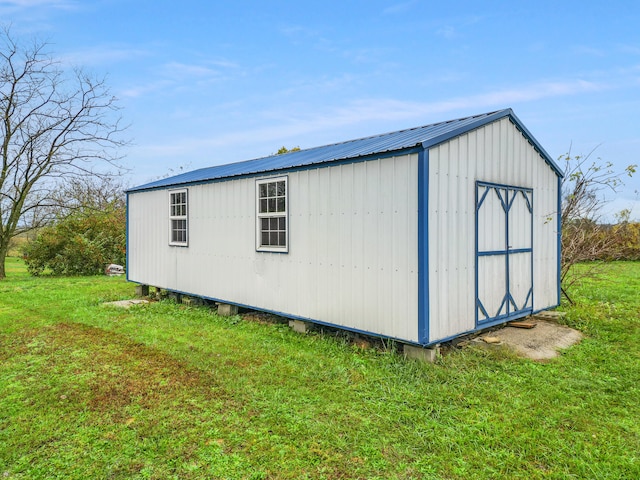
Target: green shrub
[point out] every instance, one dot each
(82, 243)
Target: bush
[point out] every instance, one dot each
(82, 243)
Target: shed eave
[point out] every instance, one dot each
(163, 184)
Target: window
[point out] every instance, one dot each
(271, 217)
(178, 221)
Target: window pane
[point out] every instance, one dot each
(280, 204)
(264, 224)
(273, 238)
(265, 239)
(282, 239)
(281, 190)
(263, 190)
(273, 224)
(272, 205)
(263, 206)
(272, 189)
(282, 223)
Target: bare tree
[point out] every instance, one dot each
(585, 237)
(55, 128)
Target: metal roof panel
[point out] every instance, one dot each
(425, 136)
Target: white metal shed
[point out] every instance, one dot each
(419, 235)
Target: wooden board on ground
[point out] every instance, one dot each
(522, 324)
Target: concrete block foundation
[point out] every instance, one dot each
(226, 310)
(429, 355)
(142, 290)
(299, 326)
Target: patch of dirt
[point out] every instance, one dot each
(127, 303)
(543, 342)
(118, 371)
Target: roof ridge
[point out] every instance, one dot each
(392, 132)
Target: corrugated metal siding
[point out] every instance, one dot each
(497, 153)
(352, 257)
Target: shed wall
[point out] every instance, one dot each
(497, 153)
(353, 246)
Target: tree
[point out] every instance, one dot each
(585, 237)
(82, 243)
(284, 149)
(86, 235)
(56, 128)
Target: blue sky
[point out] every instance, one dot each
(210, 82)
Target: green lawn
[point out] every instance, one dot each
(169, 391)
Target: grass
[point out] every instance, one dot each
(169, 391)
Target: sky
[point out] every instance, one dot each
(205, 83)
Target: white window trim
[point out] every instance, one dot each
(179, 217)
(260, 216)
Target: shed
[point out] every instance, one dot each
(419, 235)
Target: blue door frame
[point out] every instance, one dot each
(509, 294)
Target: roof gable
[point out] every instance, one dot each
(420, 137)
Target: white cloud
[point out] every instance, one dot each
(103, 54)
(141, 90)
(33, 9)
(447, 32)
(37, 3)
(283, 126)
(374, 109)
(178, 74)
(399, 8)
(184, 70)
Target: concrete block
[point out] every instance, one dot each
(192, 301)
(429, 355)
(176, 297)
(226, 310)
(142, 290)
(299, 326)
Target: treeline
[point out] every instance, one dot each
(587, 241)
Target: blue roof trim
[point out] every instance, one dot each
(425, 136)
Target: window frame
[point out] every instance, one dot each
(182, 216)
(270, 215)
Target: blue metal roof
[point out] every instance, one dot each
(423, 137)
